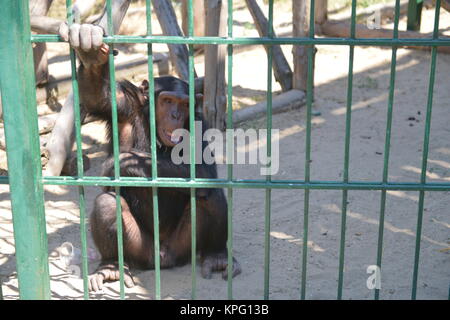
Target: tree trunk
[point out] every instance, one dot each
(215, 102)
(281, 69)
(321, 9)
(300, 20)
(198, 7)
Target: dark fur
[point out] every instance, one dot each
(137, 203)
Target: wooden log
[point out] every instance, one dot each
(321, 10)
(281, 69)
(169, 24)
(300, 23)
(342, 30)
(214, 100)
(62, 137)
(198, 7)
(292, 99)
(45, 124)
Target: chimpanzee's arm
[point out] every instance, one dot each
(93, 73)
(139, 164)
(167, 169)
(87, 40)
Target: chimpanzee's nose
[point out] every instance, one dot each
(175, 115)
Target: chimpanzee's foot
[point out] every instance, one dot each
(166, 258)
(219, 263)
(108, 272)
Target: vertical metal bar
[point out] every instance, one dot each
(80, 172)
(192, 150)
(348, 119)
(387, 143)
(426, 141)
(115, 130)
(309, 101)
(151, 96)
(269, 153)
(22, 141)
(230, 150)
(83, 235)
(414, 14)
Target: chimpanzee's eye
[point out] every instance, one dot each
(168, 100)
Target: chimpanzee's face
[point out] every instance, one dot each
(172, 112)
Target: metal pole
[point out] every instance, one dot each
(22, 141)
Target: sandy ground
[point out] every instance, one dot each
(370, 93)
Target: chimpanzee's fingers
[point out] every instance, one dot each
(97, 37)
(235, 270)
(63, 31)
(95, 283)
(99, 282)
(85, 37)
(91, 285)
(74, 35)
(128, 278)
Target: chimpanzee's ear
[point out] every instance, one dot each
(144, 86)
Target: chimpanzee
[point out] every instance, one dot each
(172, 112)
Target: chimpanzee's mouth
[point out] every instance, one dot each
(172, 137)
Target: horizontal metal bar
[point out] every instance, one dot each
(254, 41)
(248, 184)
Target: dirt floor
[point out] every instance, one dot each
(370, 94)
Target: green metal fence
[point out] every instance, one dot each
(26, 181)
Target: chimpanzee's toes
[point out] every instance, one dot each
(108, 273)
(212, 263)
(207, 269)
(218, 263)
(236, 269)
(128, 279)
